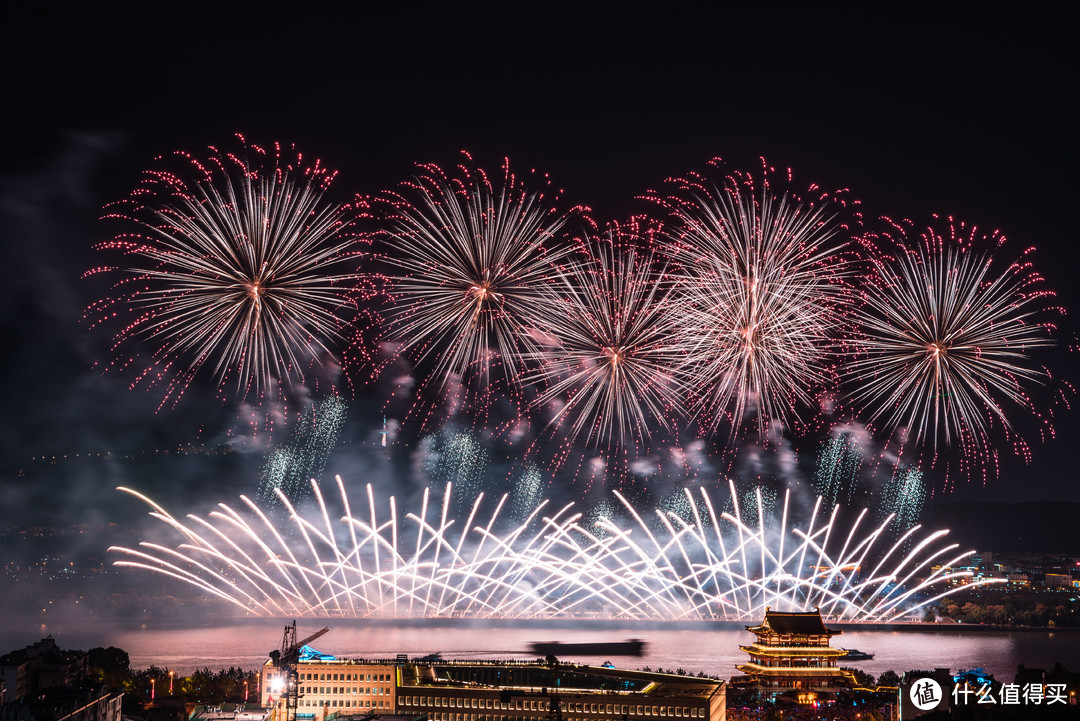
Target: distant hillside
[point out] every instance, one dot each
(1050, 526)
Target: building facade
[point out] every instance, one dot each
(492, 691)
(440, 690)
(793, 652)
(43, 665)
(328, 687)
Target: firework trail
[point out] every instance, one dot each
(528, 492)
(607, 368)
(290, 468)
(686, 564)
(904, 495)
(469, 258)
(761, 287)
(838, 468)
(458, 458)
(946, 336)
(236, 263)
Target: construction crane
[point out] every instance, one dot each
(285, 662)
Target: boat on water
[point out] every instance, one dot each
(854, 654)
(629, 647)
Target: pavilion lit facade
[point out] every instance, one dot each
(793, 652)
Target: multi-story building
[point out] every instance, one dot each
(792, 651)
(488, 690)
(57, 703)
(1058, 580)
(328, 687)
(38, 666)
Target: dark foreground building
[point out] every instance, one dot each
(41, 682)
(479, 691)
(493, 690)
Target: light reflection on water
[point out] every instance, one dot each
(715, 651)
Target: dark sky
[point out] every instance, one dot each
(967, 112)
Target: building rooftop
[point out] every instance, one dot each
(799, 623)
(565, 677)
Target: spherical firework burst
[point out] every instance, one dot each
(236, 262)
(469, 259)
(946, 336)
(759, 287)
(607, 368)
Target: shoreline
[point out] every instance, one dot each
(568, 623)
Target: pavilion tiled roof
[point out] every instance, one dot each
(798, 623)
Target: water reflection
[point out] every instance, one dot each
(247, 644)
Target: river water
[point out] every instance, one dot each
(709, 648)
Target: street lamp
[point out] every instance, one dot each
(170, 681)
(152, 688)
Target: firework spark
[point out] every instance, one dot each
(290, 466)
(903, 496)
(608, 367)
(946, 337)
(838, 467)
(239, 263)
(761, 281)
(687, 564)
(469, 259)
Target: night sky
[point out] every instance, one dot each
(969, 114)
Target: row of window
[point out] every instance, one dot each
(483, 717)
(812, 641)
(793, 663)
(346, 704)
(345, 677)
(543, 704)
(490, 717)
(347, 690)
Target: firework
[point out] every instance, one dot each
(689, 564)
(760, 284)
(904, 495)
(607, 368)
(458, 458)
(235, 263)
(290, 467)
(946, 337)
(838, 467)
(469, 257)
(528, 492)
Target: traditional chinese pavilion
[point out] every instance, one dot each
(792, 652)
